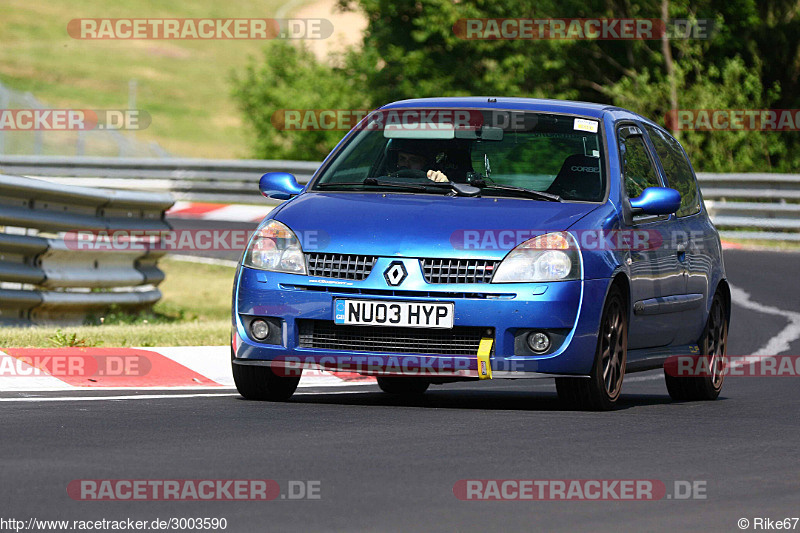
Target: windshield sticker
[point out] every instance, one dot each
(585, 125)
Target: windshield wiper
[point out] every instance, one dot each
(530, 193)
(458, 189)
(373, 181)
(396, 185)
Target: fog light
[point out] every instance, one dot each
(538, 342)
(259, 329)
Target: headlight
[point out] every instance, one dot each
(549, 257)
(275, 247)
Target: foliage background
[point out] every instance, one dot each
(409, 49)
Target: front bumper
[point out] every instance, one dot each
(502, 310)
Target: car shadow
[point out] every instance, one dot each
(468, 399)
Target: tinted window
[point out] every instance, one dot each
(355, 162)
(637, 169)
(552, 153)
(535, 160)
(677, 170)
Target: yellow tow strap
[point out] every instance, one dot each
(484, 365)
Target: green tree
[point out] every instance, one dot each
(753, 53)
(751, 61)
(289, 77)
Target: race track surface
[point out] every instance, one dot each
(390, 464)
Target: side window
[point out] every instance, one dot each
(676, 167)
(637, 169)
(354, 162)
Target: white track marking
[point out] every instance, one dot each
(214, 362)
(777, 344)
(27, 382)
(780, 342)
(99, 398)
(211, 362)
(152, 397)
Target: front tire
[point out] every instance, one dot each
(601, 391)
(405, 386)
(262, 384)
(714, 347)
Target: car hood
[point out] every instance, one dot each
(422, 225)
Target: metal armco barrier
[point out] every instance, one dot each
(746, 205)
(45, 280)
(754, 205)
(202, 180)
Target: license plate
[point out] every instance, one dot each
(402, 314)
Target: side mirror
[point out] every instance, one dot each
(656, 201)
(279, 185)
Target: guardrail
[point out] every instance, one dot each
(45, 279)
(746, 205)
(202, 180)
(757, 206)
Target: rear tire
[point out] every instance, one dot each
(601, 390)
(406, 386)
(261, 383)
(714, 347)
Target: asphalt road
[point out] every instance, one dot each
(388, 464)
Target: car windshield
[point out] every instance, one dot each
(508, 153)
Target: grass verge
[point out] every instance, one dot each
(194, 311)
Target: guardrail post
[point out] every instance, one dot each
(60, 279)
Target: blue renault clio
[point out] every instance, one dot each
(457, 239)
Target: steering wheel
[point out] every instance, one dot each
(410, 173)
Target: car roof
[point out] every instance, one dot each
(527, 104)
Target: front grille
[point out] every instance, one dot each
(458, 270)
(342, 266)
(325, 335)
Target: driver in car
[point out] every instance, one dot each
(413, 156)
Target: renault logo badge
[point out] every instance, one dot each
(395, 274)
